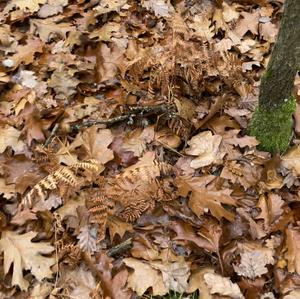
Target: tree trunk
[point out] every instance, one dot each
(272, 121)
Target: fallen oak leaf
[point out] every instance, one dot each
(31, 5)
(206, 147)
(144, 277)
(25, 53)
(184, 231)
(203, 200)
(9, 137)
(253, 264)
(223, 286)
(291, 160)
(24, 254)
(293, 249)
(197, 282)
(175, 275)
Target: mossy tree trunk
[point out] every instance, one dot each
(272, 120)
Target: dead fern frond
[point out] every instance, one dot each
(100, 207)
(137, 189)
(65, 175)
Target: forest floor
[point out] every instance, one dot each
(126, 169)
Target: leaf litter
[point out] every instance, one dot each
(126, 169)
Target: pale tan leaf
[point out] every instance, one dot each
(295, 294)
(20, 251)
(161, 8)
(197, 282)
(175, 275)
(293, 252)
(96, 143)
(203, 27)
(291, 159)
(87, 239)
(253, 264)
(206, 147)
(9, 137)
(8, 191)
(144, 277)
(223, 286)
(30, 5)
(118, 227)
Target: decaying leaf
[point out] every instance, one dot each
(20, 251)
(253, 264)
(291, 159)
(175, 275)
(203, 200)
(9, 136)
(206, 147)
(293, 252)
(144, 277)
(197, 282)
(222, 285)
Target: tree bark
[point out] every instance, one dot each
(278, 80)
(272, 120)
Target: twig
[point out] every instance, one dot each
(131, 114)
(120, 248)
(53, 132)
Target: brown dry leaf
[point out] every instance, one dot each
(136, 140)
(20, 251)
(167, 138)
(87, 239)
(256, 230)
(293, 249)
(271, 208)
(96, 142)
(230, 12)
(291, 160)
(47, 29)
(197, 282)
(144, 277)
(186, 232)
(118, 227)
(41, 290)
(249, 22)
(25, 53)
(222, 285)
(268, 31)
(297, 119)
(30, 5)
(175, 275)
(203, 200)
(118, 286)
(109, 59)
(161, 8)
(48, 10)
(63, 83)
(109, 5)
(206, 147)
(203, 27)
(7, 191)
(253, 264)
(293, 295)
(9, 137)
(231, 137)
(80, 283)
(70, 207)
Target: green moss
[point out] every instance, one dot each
(273, 127)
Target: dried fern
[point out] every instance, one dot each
(100, 207)
(64, 175)
(136, 190)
